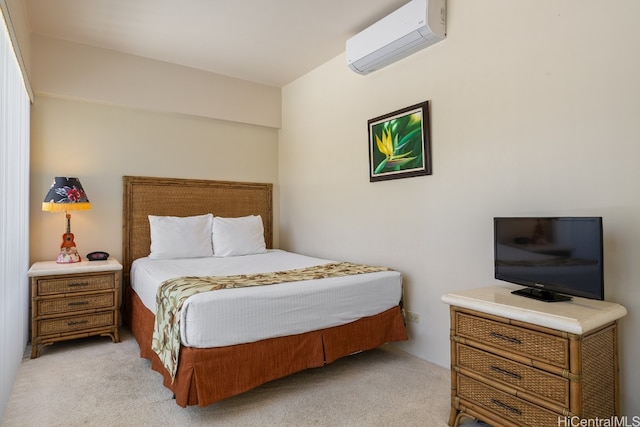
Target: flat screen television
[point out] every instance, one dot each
(554, 257)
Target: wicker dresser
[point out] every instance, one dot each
(71, 301)
(522, 362)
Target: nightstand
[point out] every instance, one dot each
(70, 301)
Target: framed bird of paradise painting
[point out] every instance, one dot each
(399, 145)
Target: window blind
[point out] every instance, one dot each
(14, 215)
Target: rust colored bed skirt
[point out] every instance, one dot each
(208, 375)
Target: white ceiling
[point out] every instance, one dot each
(266, 41)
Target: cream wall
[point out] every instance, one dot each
(534, 110)
(100, 143)
(17, 13)
(82, 72)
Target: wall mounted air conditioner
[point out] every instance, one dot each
(416, 25)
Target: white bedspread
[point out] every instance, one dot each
(234, 316)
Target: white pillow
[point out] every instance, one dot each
(238, 236)
(180, 237)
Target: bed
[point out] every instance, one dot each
(215, 366)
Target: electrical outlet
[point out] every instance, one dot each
(412, 317)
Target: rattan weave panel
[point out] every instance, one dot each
(534, 381)
(528, 343)
(599, 374)
(81, 283)
(78, 303)
(505, 405)
(75, 323)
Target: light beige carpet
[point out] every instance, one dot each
(93, 382)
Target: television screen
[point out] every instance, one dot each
(554, 257)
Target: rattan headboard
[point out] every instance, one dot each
(145, 196)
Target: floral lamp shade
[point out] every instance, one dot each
(66, 194)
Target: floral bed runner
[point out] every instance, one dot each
(174, 292)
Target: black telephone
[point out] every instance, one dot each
(97, 256)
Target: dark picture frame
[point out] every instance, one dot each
(399, 144)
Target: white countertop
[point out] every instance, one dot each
(49, 268)
(577, 316)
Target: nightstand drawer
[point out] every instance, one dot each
(76, 323)
(77, 283)
(504, 405)
(528, 343)
(531, 380)
(49, 306)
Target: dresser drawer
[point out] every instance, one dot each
(504, 405)
(531, 380)
(68, 284)
(75, 323)
(49, 306)
(528, 343)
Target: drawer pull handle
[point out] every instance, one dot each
(507, 407)
(505, 372)
(505, 338)
(76, 303)
(78, 284)
(79, 322)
